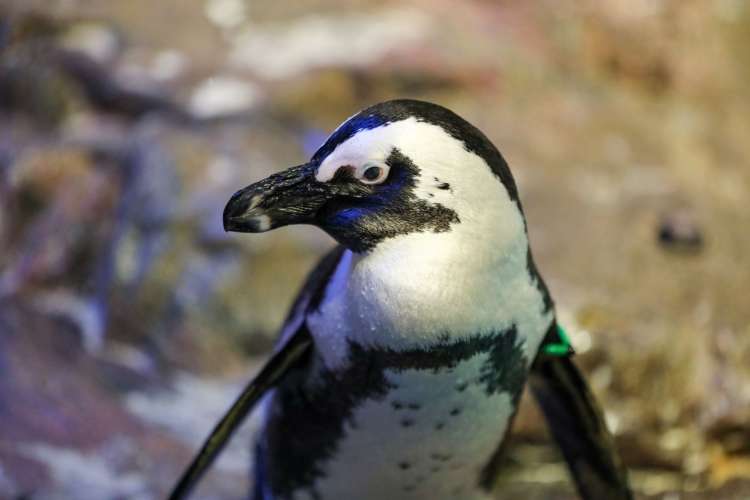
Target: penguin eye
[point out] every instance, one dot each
(372, 174)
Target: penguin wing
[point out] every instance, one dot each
(576, 422)
(294, 343)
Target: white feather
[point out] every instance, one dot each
(371, 464)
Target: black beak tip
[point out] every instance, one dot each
(233, 211)
(227, 225)
(238, 217)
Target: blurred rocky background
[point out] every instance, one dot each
(129, 320)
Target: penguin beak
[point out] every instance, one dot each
(293, 196)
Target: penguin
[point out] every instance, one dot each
(400, 366)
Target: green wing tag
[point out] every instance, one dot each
(562, 348)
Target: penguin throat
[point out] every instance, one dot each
(420, 291)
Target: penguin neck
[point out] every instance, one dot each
(455, 272)
(424, 290)
(424, 264)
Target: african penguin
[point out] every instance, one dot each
(401, 365)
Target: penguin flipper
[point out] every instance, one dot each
(578, 427)
(270, 374)
(293, 345)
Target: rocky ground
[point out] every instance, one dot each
(129, 320)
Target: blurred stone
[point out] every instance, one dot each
(59, 195)
(23, 24)
(223, 95)
(35, 89)
(85, 314)
(7, 487)
(168, 64)
(126, 92)
(319, 98)
(99, 41)
(189, 409)
(315, 41)
(725, 467)
(86, 476)
(226, 13)
(678, 231)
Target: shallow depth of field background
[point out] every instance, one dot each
(129, 320)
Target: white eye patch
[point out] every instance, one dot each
(328, 170)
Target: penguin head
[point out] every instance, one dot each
(396, 168)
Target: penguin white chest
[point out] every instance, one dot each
(429, 437)
(418, 302)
